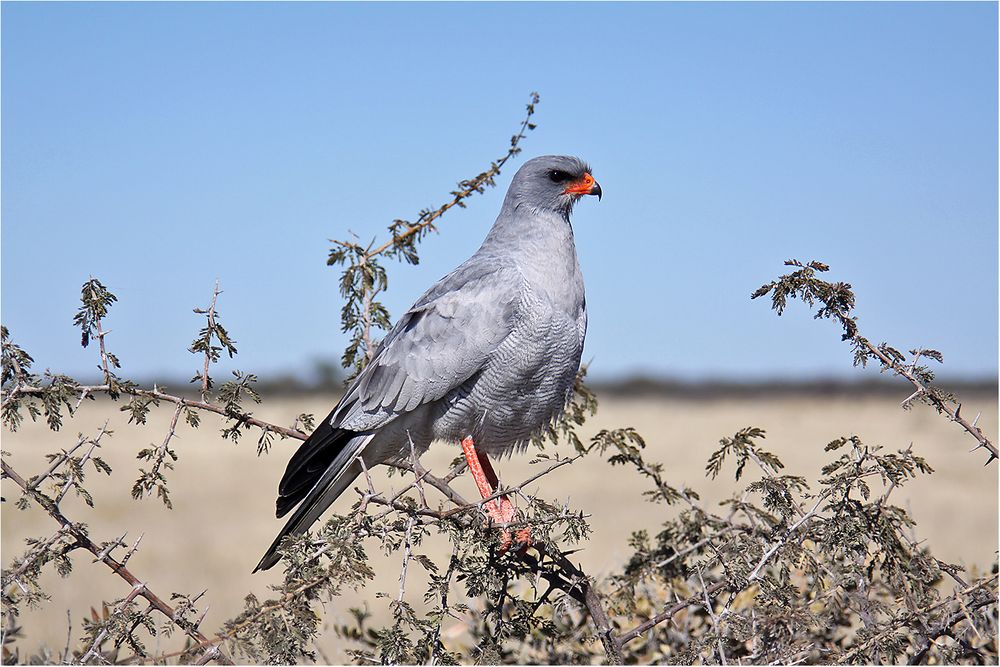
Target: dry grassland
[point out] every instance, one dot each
(223, 494)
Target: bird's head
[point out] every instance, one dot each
(553, 182)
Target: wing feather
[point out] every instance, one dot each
(442, 341)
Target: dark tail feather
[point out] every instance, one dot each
(308, 464)
(322, 468)
(321, 497)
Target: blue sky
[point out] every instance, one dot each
(160, 147)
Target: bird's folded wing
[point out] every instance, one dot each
(444, 339)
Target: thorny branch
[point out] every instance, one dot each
(837, 301)
(94, 649)
(988, 586)
(72, 479)
(425, 222)
(364, 278)
(204, 343)
(104, 555)
(566, 577)
(556, 569)
(104, 352)
(156, 395)
(668, 613)
(786, 543)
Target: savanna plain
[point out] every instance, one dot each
(223, 495)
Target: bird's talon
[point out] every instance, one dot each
(522, 539)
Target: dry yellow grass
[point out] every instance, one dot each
(223, 494)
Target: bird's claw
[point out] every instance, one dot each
(523, 539)
(502, 511)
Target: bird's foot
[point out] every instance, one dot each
(501, 510)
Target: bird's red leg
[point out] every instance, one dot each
(501, 510)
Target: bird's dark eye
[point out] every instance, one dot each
(558, 176)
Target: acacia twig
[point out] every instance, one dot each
(905, 619)
(158, 395)
(94, 443)
(838, 302)
(58, 461)
(364, 278)
(82, 540)
(472, 186)
(569, 579)
(210, 313)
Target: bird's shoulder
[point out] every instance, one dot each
(480, 273)
(443, 339)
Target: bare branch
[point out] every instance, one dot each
(205, 381)
(118, 568)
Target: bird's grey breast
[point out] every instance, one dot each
(527, 379)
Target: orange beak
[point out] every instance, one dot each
(584, 186)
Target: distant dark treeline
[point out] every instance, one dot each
(653, 387)
(638, 387)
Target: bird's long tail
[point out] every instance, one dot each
(324, 466)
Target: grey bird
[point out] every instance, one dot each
(486, 357)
